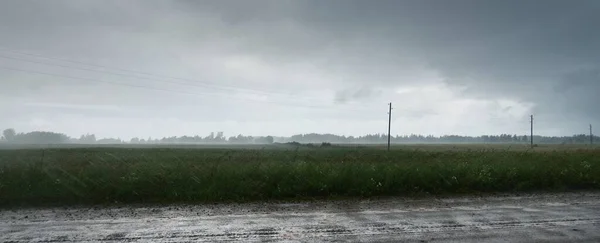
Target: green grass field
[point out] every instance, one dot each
(70, 176)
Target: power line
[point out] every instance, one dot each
(202, 84)
(156, 77)
(98, 81)
(158, 89)
(93, 70)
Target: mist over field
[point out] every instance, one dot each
(10, 136)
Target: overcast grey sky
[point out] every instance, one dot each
(281, 67)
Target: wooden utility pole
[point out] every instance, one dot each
(389, 126)
(591, 136)
(531, 137)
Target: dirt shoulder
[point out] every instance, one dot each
(548, 217)
(336, 206)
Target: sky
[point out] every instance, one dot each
(149, 68)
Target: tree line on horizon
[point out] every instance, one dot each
(43, 137)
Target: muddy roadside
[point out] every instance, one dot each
(535, 217)
(290, 207)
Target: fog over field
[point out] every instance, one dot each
(127, 69)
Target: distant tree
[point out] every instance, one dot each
(9, 134)
(269, 139)
(220, 137)
(39, 137)
(88, 138)
(210, 137)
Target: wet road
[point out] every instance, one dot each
(570, 217)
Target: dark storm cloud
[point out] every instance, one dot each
(525, 50)
(546, 53)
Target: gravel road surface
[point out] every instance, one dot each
(565, 217)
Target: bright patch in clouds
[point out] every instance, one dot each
(447, 112)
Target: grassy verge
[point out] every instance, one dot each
(170, 175)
